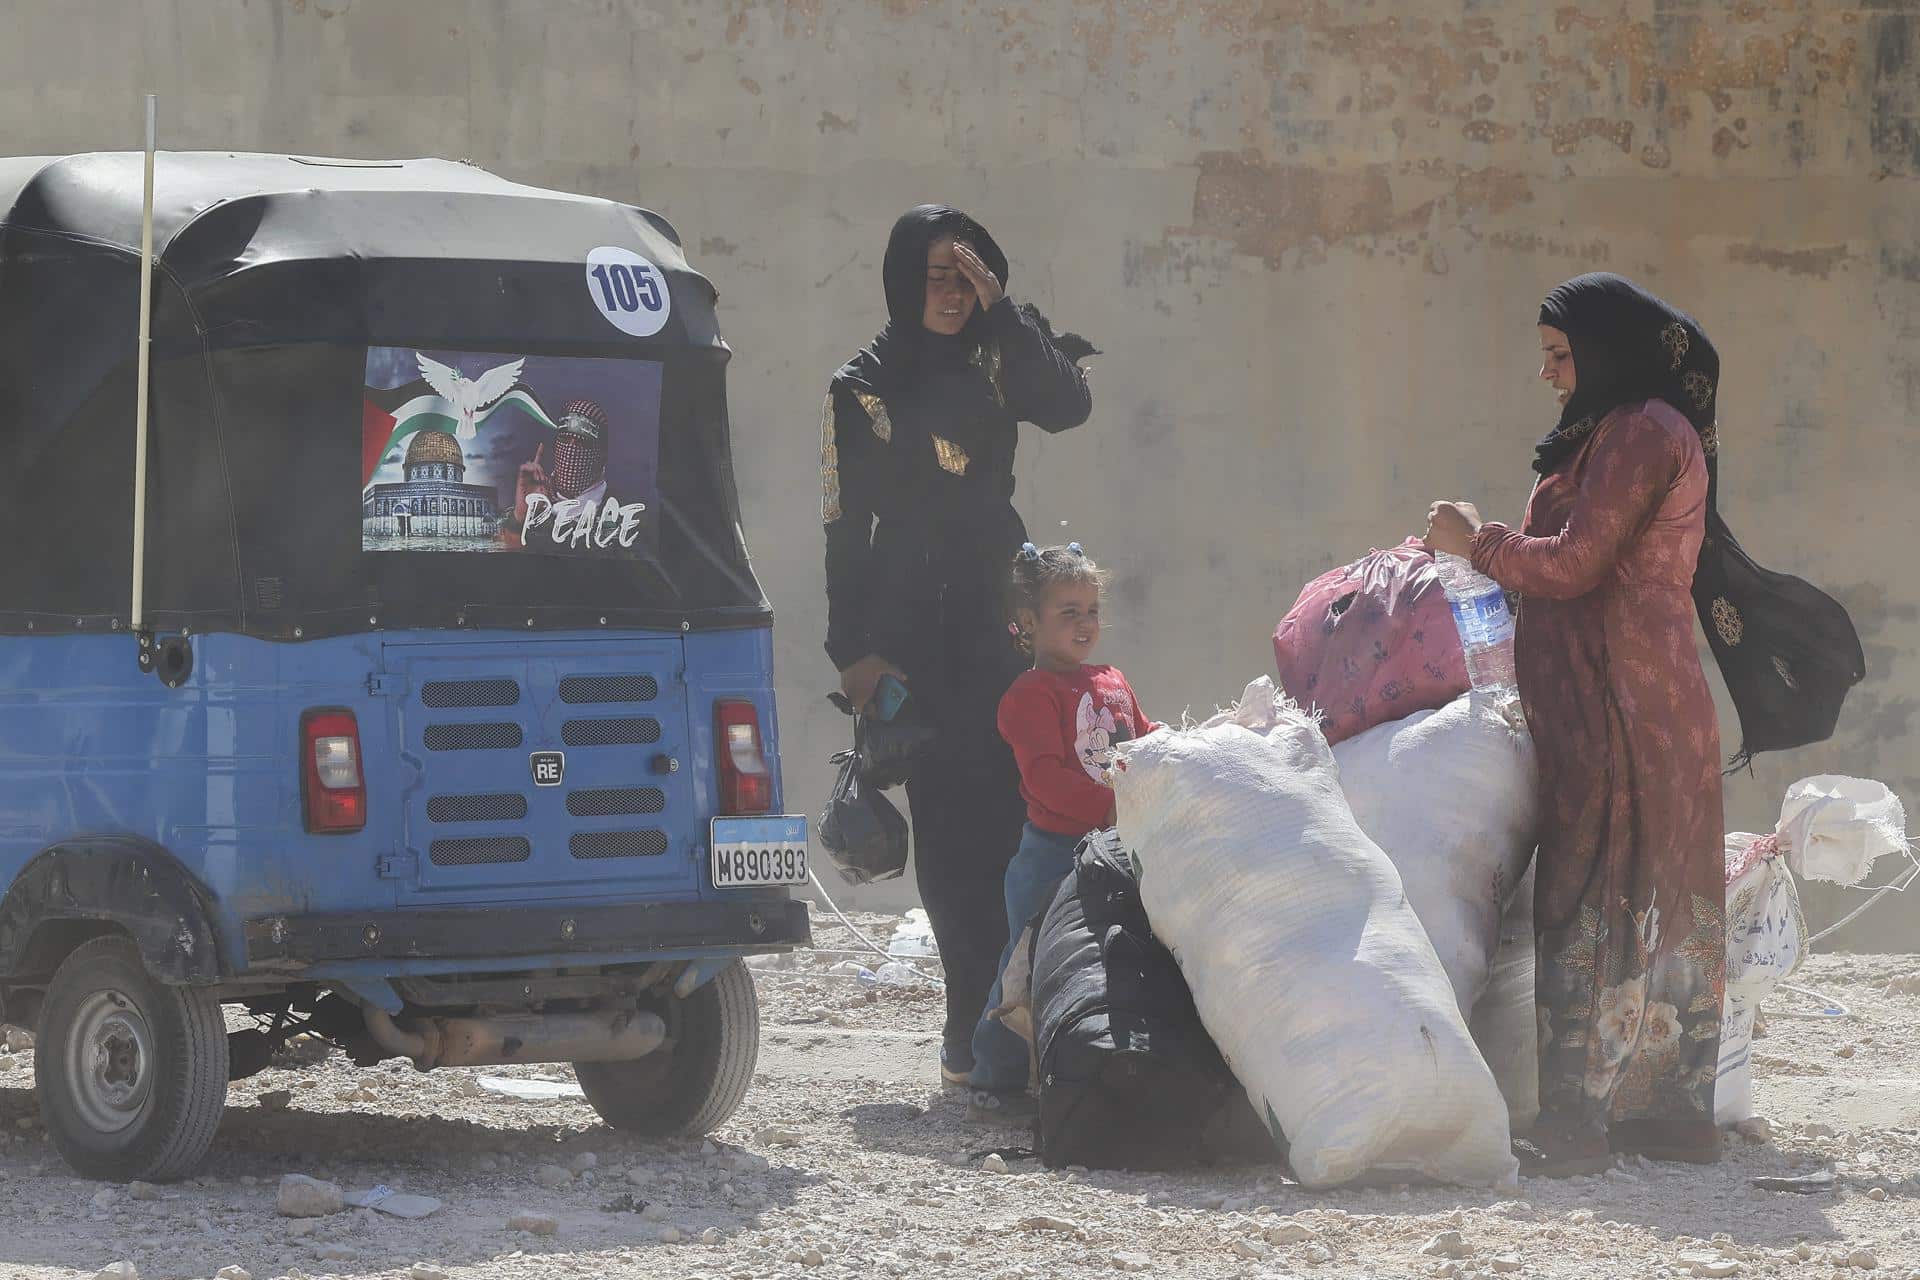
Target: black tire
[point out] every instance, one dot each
(694, 1083)
(131, 1073)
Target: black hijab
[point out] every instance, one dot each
(906, 349)
(1788, 652)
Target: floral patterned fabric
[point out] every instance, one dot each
(1372, 642)
(1630, 895)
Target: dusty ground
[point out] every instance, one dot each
(873, 1174)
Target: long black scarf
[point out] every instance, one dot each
(1788, 651)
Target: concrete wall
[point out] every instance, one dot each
(1310, 235)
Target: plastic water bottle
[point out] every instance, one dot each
(1480, 615)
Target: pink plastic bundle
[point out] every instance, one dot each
(1372, 643)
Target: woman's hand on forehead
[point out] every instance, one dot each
(985, 284)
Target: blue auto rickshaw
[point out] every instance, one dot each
(437, 719)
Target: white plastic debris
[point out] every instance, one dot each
(896, 974)
(398, 1204)
(914, 937)
(531, 1090)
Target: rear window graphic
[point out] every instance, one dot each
(493, 452)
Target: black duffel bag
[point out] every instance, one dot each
(1129, 1079)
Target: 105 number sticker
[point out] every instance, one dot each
(628, 290)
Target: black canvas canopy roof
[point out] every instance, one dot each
(274, 275)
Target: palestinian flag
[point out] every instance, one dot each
(520, 396)
(388, 416)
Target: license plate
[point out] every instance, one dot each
(759, 851)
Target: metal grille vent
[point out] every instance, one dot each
(470, 693)
(472, 737)
(482, 849)
(610, 733)
(577, 689)
(605, 804)
(617, 844)
(499, 808)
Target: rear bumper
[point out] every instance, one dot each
(280, 943)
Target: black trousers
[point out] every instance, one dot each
(967, 820)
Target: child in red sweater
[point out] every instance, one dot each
(1062, 720)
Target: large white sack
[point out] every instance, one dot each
(1307, 965)
(1449, 796)
(1505, 1022)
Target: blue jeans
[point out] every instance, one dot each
(1033, 877)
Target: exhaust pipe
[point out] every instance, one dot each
(618, 1035)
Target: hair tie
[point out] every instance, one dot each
(1029, 552)
(1074, 547)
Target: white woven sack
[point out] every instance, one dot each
(1307, 965)
(1449, 796)
(1835, 828)
(1505, 1022)
(1766, 941)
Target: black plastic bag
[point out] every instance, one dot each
(886, 748)
(860, 829)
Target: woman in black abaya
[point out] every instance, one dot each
(917, 449)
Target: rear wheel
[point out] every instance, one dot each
(132, 1074)
(697, 1080)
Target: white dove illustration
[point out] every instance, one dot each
(471, 397)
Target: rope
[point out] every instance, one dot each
(870, 943)
(1834, 1008)
(1883, 891)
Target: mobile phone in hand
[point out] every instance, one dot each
(889, 695)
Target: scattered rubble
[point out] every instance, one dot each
(304, 1197)
(552, 1177)
(848, 1160)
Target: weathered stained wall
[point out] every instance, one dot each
(1310, 235)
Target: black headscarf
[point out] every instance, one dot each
(905, 343)
(1788, 652)
(906, 347)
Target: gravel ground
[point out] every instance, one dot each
(849, 1161)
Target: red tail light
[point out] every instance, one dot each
(746, 784)
(333, 788)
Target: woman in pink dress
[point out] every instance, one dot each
(1630, 884)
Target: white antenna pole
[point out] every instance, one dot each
(140, 388)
